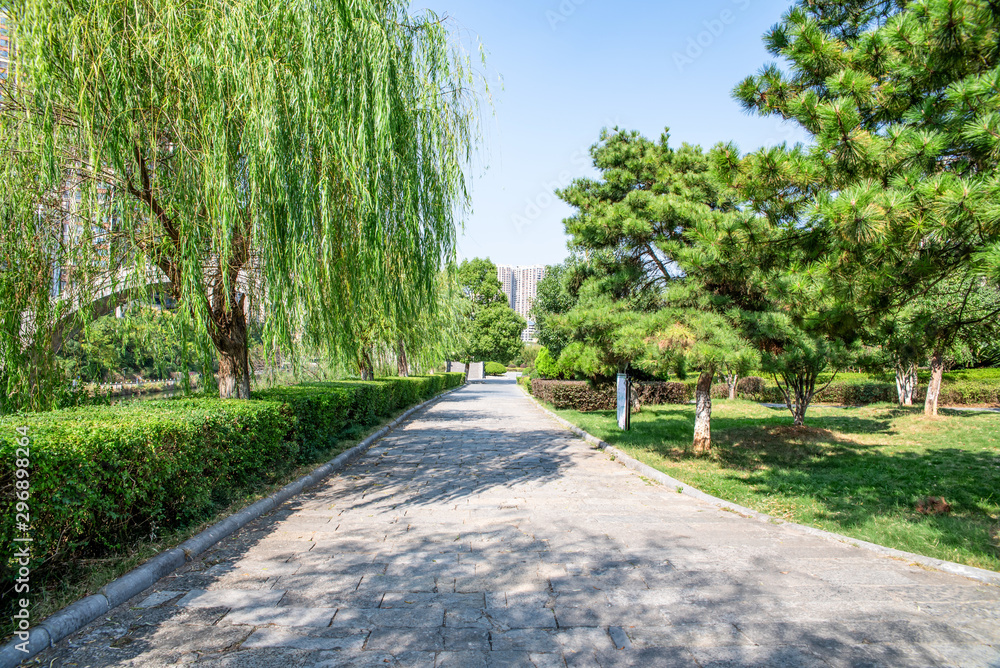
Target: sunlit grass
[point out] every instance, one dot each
(854, 471)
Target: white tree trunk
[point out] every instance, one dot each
(732, 380)
(906, 383)
(934, 389)
(703, 414)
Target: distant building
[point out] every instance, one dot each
(520, 284)
(6, 49)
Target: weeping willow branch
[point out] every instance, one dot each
(300, 164)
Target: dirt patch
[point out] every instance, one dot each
(805, 432)
(933, 505)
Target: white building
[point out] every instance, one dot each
(6, 48)
(520, 284)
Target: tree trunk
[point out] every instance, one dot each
(402, 364)
(906, 383)
(799, 413)
(934, 389)
(703, 414)
(732, 380)
(366, 365)
(229, 335)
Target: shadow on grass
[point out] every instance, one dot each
(835, 480)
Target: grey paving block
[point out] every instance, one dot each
(159, 598)
(529, 640)
(524, 617)
(417, 617)
(461, 660)
(277, 637)
(282, 616)
(199, 598)
(752, 656)
(406, 639)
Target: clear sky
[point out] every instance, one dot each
(571, 67)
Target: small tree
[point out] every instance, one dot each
(703, 342)
(492, 328)
(796, 356)
(555, 296)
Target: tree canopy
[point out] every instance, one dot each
(296, 162)
(491, 328)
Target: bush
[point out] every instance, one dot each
(103, 477)
(658, 393)
(495, 369)
(749, 386)
(546, 366)
(582, 396)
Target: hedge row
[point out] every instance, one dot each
(102, 478)
(861, 393)
(582, 396)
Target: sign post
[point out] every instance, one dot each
(624, 402)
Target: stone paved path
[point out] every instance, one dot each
(482, 534)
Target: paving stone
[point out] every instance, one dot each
(275, 637)
(406, 639)
(530, 640)
(230, 599)
(282, 616)
(159, 598)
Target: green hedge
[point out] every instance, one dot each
(102, 478)
(856, 392)
(580, 395)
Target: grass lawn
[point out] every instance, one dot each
(854, 471)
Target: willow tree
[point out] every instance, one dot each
(264, 159)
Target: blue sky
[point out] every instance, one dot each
(571, 67)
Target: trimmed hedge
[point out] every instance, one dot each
(102, 478)
(861, 393)
(584, 397)
(580, 395)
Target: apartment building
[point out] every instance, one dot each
(520, 284)
(6, 48)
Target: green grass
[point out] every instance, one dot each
(853, 471)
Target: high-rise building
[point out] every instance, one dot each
(520, 284)
(6, 49)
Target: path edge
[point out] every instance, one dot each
(75, 616)
(630, 462)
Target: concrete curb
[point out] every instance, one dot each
(74, 617)
(980, 574)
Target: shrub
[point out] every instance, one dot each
(546, 366)
(582, 396)
(103, 477)
(495, 369)
(750, 386)
(657, 393)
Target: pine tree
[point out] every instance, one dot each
(898, 188)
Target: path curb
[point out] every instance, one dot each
(629, 462)
(75, 616)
